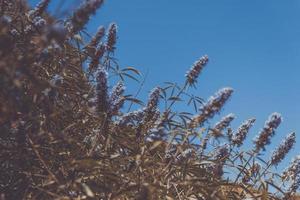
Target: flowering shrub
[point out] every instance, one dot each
(67, 134)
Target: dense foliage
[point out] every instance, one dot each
(66, 133)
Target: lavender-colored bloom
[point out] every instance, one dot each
(100, 51)
(116, 98)
(117, 91)
(39, 22)
(293, 172)
(39, 9)
(225, 122)
(213, 106)
(153, 98)
(216, 131)
(196, 69)
(90, 48)
(98, 36)
(82, 14)
(295, 184)
(185, 154)
(294, 168)
(267, 132)
(151, 109)
(98, 55)
(279, 154)
(240, 135)
(14, 33)
(222, 153)
(117, 105)
(131, 117)
(28, 29)
(153, 121)
(102, 91)
(111, 37)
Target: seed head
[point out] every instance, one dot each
(267, 132)
(279, 154)
(196, 69)
(240, 135)
(213, 106)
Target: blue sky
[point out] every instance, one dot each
(253, 46)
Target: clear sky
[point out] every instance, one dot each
(253, 45)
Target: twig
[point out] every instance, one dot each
(42, 160)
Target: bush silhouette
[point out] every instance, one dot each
(66, 133)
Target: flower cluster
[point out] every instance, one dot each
(196, 69)
(279, 154)
(213, 106)
(102, 91)
(267, 132)
(116, 99)
(130, 117)
(220, 156)
(82, 14)
(293, 172)
(100, 50)
(241, 133)
(222, 152)
(97, 37)
(111, 37)
(150, 111)
(216, 131)
(60, 122)
(39, 9)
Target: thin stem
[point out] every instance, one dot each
(38, 155)
(139, 90)
(244, 167)
(178, 94)
(262, 174)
